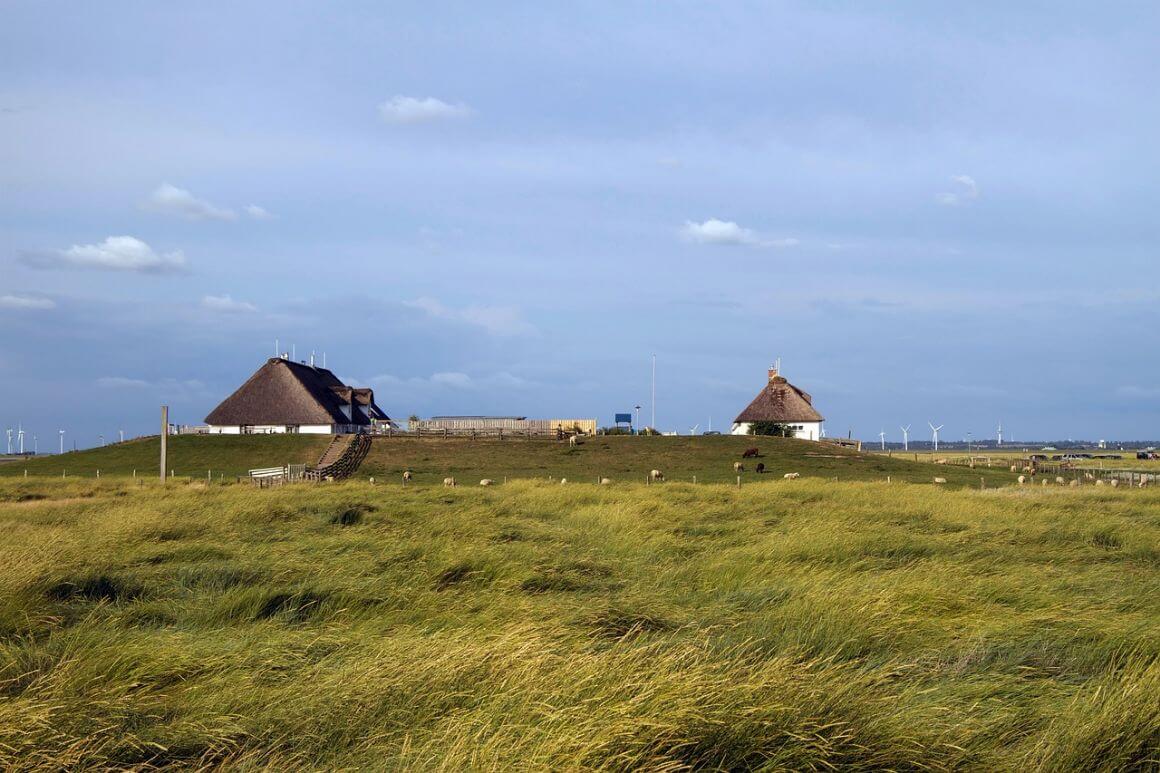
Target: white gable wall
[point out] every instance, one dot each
(803, 430)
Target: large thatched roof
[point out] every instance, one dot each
(780, 401)
(285, 392)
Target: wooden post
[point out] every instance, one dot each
(164, 439)
(738, 481)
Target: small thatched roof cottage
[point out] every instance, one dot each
(782, 402)
(286, 396)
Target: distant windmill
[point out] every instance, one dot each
(905, 437)
(8, 432)
(20, 438)
(694, 428)
(934, 430)
(882, 439)
(1000, 434)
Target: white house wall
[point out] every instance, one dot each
(803, 430)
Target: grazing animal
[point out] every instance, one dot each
(1143, 482)
(656, 475)
(573, 441)
(563, 481)
(749, 453)
(1059, 479)
(1044, 481)
(449, 482)
(1014, 468)
(406, 475)
(1099, 482)
(738, 467)
(940, 480)
(760, 468)
(1073, 483)
(792, 475)
(1022, 480)
(1115, 483)
(605, 481)
(485, 482)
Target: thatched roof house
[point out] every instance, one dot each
(781, 402)
(287, 396)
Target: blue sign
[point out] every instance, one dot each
(624, 418)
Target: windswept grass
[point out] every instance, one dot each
(799, 625)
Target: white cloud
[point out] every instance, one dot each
(496, 320)
(409, 110)
(116, 253)
(966, 191)
(227, 304)
(26, 303)
(726, 232)
(171, 200)
(258, 213)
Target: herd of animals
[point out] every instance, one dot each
(654, 476)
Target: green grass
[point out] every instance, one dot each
(621, 458)
(795, 625)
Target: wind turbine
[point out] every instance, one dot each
(8, 432)
(1000, 434)
(905, 437)
(882, 439)
(935, 430)
(20, 437)
(61, 431)
(694, 428)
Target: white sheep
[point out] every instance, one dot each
(1014, 468)
(1099, 481)
(738, 467)
(1115, 482)
(1073, 483)
(406, 476)
(656, 475)
(940, 480)
(1022, 480)
(573, 441)
(485, 482)
(605, 481)
(1059, 480)
(563, 481)
(791, 475)
(1044, 481)
(449, 482)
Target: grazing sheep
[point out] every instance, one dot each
(940, 480)
(656, 475)
(1059, 479)
(1115, 482)
(449, 482)
(563, 481)
(1143, 482)
(1088, 476)
(1073, 483)
(738, 467)
(485, 482)
(1014, 468)
(792, 475)
(760, 468)
(1044, 481)
(749, 453)
(1099, 482)
(406, 476)
(1021, 480)
(605, 481)
(573, 441)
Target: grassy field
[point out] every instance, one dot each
(804, 624)
(624, 459)
(1128, 462)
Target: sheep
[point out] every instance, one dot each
(1059, 480)
(656, 475)
(1115, 482)
(1014, 468)
(1099, 481)
(1044, 481)
(738, 467)
(1021, 480)
(573, 441)
(749, 453)
(791, 475)
(760, 468)
(485, 482)
(406, 476)
(449, 482)
(940, 480)
(1073, 483)
(605, 481)
(563, 481)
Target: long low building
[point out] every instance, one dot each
(292, 397)
(505, 423)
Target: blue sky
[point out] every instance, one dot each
(929, 212)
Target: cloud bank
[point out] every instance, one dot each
(116, 253)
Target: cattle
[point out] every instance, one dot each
(738, 467)
(760, 468)
(485, 482)
(749, 453)
(656, 475)
(449, 482)
(791, 475)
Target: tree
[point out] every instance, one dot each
(774, 428)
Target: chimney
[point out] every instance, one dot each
(775, 369)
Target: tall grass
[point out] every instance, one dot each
(807, 626)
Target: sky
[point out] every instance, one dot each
(929, 212)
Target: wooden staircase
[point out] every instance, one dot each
(342, 458)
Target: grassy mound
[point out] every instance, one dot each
(803, 625)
